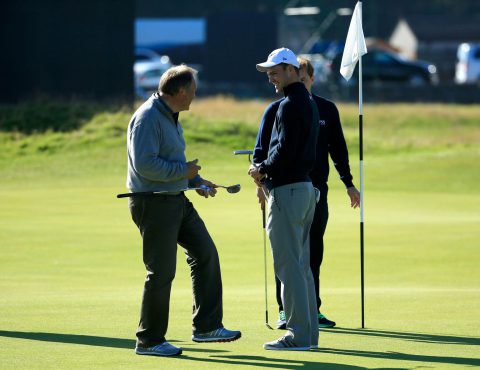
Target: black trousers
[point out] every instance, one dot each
(163, 222)
(316, 245)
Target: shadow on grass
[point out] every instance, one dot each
(279, 363)
(415, 337)
(404, 356)
(88, 340)
(261, 361)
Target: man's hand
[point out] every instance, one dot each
(192, 169)
(253, 171)
(354, 195)
(261, 197)
(211, 186)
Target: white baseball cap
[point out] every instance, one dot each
(278, 56)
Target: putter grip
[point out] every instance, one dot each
(263, 216)
(125, 195)
(128, 195)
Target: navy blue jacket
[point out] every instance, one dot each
(330, 141)
(293, 140)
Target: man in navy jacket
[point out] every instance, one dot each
(292, 199)
(330, 142)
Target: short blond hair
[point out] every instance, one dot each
(305, 63)
(176, 78)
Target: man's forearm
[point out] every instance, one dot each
(158, 169)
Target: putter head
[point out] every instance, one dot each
(268, 326)
(233, 189)
(240, 152)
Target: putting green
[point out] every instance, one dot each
(71, 271)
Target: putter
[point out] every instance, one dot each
(250, 152)
(145, 193)
(230, 189)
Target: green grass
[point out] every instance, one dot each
(71, 271)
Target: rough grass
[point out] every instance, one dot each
(216, 126)
(222, 121)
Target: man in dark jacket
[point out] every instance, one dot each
(330, 142)
(292, 198)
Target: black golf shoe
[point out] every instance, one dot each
(323, 322)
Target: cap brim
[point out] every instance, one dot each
(263, 67)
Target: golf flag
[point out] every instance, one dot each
(354, 49)
(355, 45)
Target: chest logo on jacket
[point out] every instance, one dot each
(322, 122)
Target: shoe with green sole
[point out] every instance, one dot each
(323, 322)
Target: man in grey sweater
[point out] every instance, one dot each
(157, 162)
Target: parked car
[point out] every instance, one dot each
(149, 77)
(148, 68)
(146, 58)
(384, 66)
(468, 64)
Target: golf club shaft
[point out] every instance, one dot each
(265, 262)
(250, 152)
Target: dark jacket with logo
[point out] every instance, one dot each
(293, 140)
(330, 141)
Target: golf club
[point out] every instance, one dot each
(230, 189)
(146, 193)
(250, 152)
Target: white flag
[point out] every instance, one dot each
(355, 45)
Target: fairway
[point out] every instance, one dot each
(72, 274)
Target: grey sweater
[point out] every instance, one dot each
(156, 149)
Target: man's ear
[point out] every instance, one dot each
(289, 69)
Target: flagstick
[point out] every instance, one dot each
(360, 128)
(349, 60)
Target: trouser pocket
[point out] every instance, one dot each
(137, 209)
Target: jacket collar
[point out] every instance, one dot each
(293, 87)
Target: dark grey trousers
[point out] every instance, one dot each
(164, 221)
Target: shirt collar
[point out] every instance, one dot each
(157, 97)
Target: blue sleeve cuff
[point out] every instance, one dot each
(193, 183)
